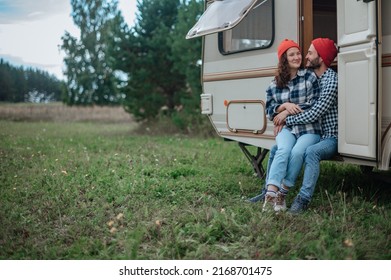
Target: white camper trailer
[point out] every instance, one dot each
(239, 59)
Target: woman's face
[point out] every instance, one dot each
(294, 58)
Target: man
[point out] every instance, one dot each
(320, 55)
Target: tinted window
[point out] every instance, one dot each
(255, 31)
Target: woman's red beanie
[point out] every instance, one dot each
(286, 45)
(326, 49)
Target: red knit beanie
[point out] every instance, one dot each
(286, 45)
(326, 49)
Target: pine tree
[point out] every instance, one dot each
(18, 84)
(153, 82)
(186, 55)
(89, 68)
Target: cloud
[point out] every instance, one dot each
(31, 30)
(35, 43)
(14, 11)
(15, 60)
(19, 61)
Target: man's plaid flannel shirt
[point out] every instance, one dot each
(303, 90)
(326, 107)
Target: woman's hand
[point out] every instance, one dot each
(280, 118)
(277, 129)
(292, 108)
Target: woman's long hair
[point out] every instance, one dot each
(283, 72)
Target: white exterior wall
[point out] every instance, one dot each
(262, 61)
(243, 77)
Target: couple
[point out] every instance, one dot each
(302, 103)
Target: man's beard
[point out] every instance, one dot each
(314, 64)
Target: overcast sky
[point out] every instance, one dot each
(31, 30)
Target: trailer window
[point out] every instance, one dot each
(255, 31)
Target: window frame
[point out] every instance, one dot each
(221, 36)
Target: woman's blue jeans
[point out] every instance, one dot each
(289, 157)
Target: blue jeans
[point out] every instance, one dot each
(326, 149)
(289, 157)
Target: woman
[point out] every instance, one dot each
(293, 89)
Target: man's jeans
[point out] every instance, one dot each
(289, 157)
(323, 150)
(326, 149)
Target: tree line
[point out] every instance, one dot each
(149, 68)
(19, 84)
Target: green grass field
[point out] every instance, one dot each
(92, 190)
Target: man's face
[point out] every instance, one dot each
(313, 59)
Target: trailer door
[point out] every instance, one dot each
(358, 78)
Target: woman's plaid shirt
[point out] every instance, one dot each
(325, 108)
(303, 90)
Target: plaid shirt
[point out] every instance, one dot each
(303, 90)
(326, 107)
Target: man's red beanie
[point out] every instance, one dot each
(326, 49)
(286, 45)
